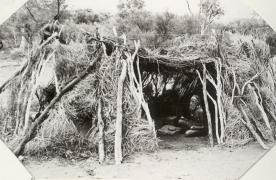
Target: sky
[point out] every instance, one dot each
(234, 9)
(8, 7)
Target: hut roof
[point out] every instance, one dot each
(183, 55)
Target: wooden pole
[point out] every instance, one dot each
(219, 103)
(216, 118)
(210, 131)
(119, 120)
(101, 134)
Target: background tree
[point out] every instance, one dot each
(164, 24)
(254, 26)
(186, 25)
(87, 16)
(29, 19)
(131, 14)
(209, 11)
(127, 7)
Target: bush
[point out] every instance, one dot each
(271, 41)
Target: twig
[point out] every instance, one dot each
(31, 14)
(188, 5)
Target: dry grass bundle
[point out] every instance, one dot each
(236, 133)
(139, 137)
(202, 46)
(71, 146)
(58, 137)
(70, 60)
(186, 52)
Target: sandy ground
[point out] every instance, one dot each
(178, 158)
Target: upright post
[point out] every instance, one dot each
(210, 130)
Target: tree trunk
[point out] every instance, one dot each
(119, 119)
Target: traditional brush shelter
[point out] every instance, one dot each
(114, 92)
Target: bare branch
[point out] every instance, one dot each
(249, 81)
(31, 14)
(188, 5)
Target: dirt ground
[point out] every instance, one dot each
(178, 158)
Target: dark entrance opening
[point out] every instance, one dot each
(168, 89)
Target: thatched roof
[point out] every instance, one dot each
(185, 55)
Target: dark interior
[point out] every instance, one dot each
(168, 91)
